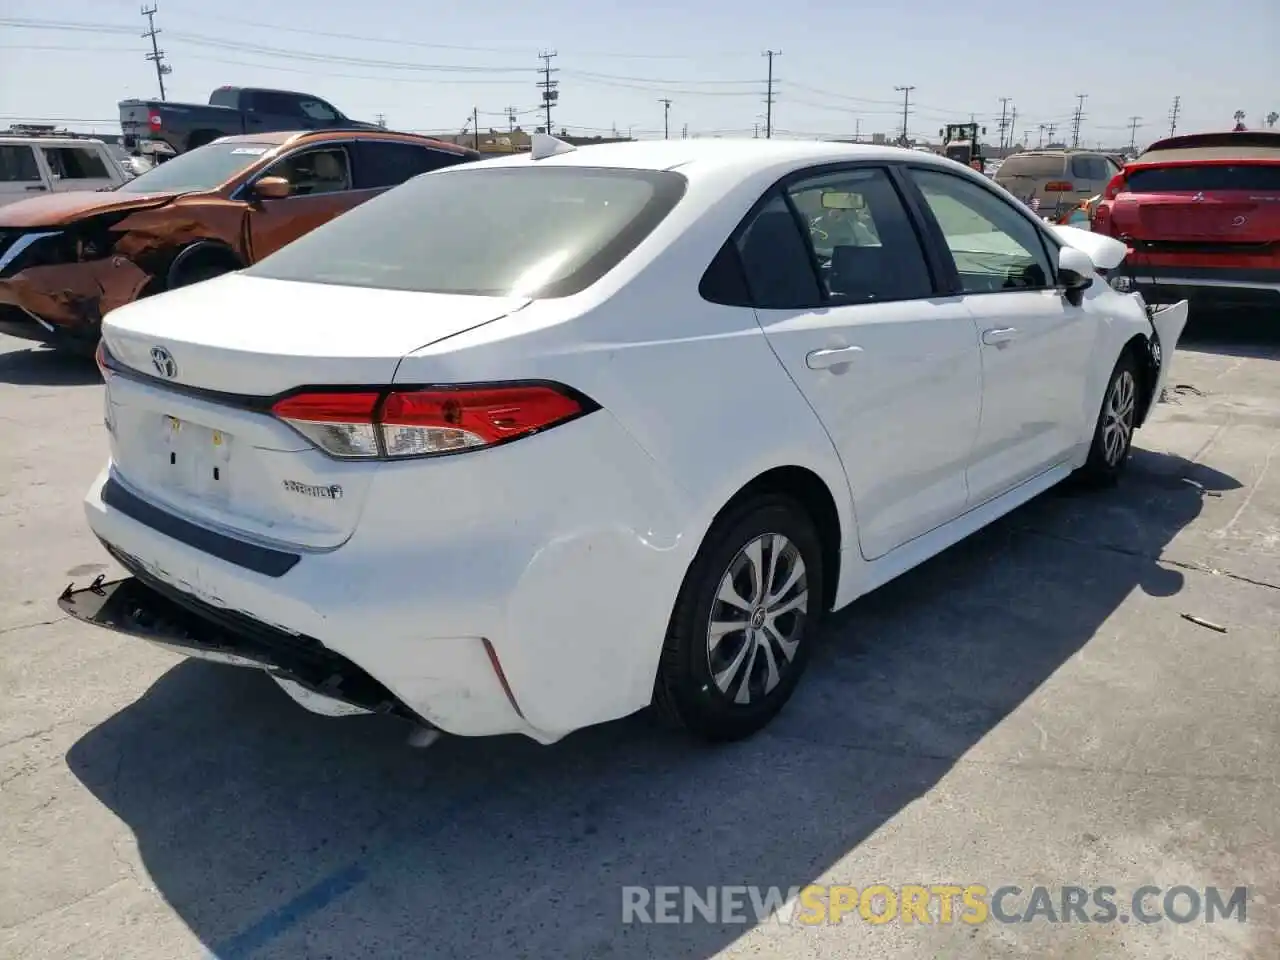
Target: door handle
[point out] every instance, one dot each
(999, 335)
(830, 357)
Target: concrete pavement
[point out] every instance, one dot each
(1030, 708)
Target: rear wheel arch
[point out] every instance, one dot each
(812, 495)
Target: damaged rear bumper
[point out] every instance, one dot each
(316, 677)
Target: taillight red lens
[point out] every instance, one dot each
(1114, 186)
(416, 423)
(1059, 186)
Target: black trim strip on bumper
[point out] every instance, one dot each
(251, 556)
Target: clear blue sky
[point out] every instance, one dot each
(426, 65)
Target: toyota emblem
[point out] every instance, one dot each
(164, 363)
(1239, 221)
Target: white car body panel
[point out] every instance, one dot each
(565, 551)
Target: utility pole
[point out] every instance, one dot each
(768, 94)
(666, 118)
(1043, 127)
(1173, 115)
(756, 134)
(1133, 133)
(1026, 137)
(906, 109)
(381, 120)
(1053, 129)
(1004, 109)
(550, 94)
(684, 132)
(1075, 121)
(156, 55)
(475, 127)
(512, 113)
(1013, 128)
(857, 130)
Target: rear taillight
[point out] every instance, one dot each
(1059, 186)
(154, 121)
(1114, 186)
(412, 422)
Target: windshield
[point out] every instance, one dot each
(503, 231)
(203, 168)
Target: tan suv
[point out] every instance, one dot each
(1060, 179)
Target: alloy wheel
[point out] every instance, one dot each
(1117, 418)
(757, 618)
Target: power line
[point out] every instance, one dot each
(156, 55)
(906, 109)
(1173, 115)
(666, 117)
(768, 95)
(548, 86)
(1075, 120)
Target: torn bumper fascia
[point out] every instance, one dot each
(1169, 322)
(74, 295)
(315, 677)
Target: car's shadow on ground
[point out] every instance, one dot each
(39, 366)
(274, 833)
(1233, 333)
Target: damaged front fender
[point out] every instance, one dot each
(75, 294)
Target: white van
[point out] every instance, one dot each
(34, 165)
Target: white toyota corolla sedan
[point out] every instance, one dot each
(527, 445)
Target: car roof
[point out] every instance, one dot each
(280, 137)
(709, 157)
(18, 139)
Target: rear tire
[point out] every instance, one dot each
(729, 666)
(1113, 432)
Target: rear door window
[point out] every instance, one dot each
(75, 163)
(388, 164)
(1261, 178)
(18, 164)
(862, 237)
(776, 259)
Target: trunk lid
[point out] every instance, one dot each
(1230, 205)
(193, 434)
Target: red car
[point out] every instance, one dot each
(1201, 214)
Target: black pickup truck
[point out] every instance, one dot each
(178, 127)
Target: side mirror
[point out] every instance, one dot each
(272, 188)
(1076, 273)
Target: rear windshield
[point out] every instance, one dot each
(1258, 177)
(499, 231)
(203, 168)
(1034, 167)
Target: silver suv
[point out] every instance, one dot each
(1059, 179)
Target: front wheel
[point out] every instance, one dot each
(743, 624)
(1113, 433)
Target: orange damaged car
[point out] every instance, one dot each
(66, 259)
